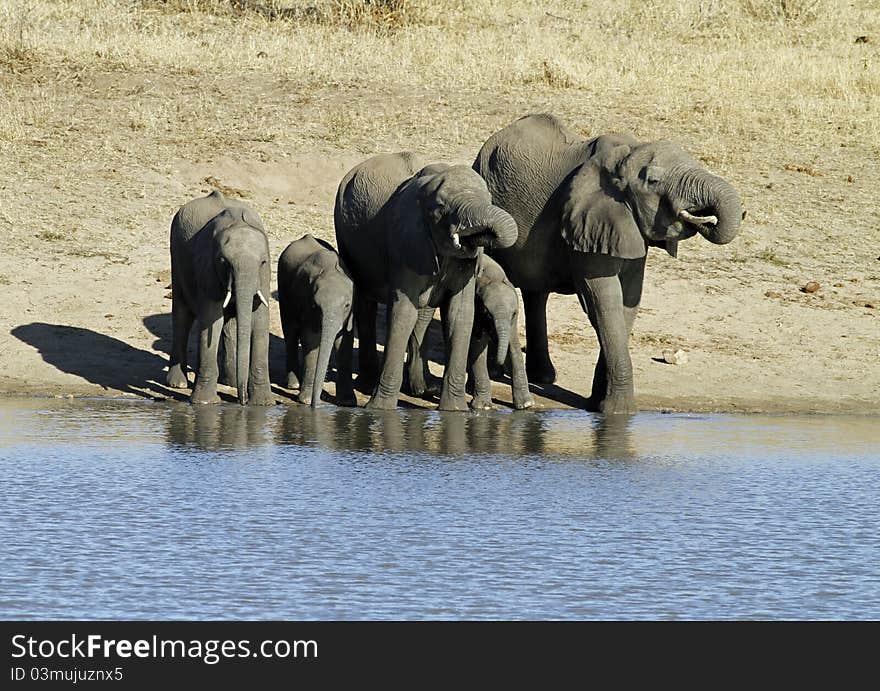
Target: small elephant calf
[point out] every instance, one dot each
(315, 295)
(496, 308)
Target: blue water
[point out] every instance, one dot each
(112, 509)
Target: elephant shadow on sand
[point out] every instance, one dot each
(98, 358)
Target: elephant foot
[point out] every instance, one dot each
(453, 404)
(522, 402)
(204, 396)
(542, 372)
(481, 403)
(176, 378)
(292, 381)
(381, 403)
(420, 387)
(261, 395)
(304, 397)
(617, 405)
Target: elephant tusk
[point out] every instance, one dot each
(228, 291)
(697, 220)
(262, 298)
(456, 242)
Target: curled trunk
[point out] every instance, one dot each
(488, 226)
(703, 194)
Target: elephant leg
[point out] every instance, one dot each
(420, 379)
(368, 358)
(259, 388)
(228, 344)
(404, 315)
(344, 389)
(311, 343)
(290, 329)
(519, 381)
(457, 314)
(600, 292)
(478, 369)
(181, 324)
(210, 330)
(538, 364)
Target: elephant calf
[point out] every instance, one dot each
(220, 276)
(496, 308)
(315, 295)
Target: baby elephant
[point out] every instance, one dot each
(496, 309)
(220, 277)
(315, 295)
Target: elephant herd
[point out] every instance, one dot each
(542, 209)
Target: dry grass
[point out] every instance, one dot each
(755, 88)
(740, 66)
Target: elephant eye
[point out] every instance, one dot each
(652, 175)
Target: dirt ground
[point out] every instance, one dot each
(88, 190)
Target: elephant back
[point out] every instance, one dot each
(524, 163)
(368, 186)
(196, 214)
(361, 201)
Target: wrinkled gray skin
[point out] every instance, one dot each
(587, 210)
(315, 296)
(219, 245)
(496, 309)
(397, 227)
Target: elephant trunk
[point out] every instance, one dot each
(710, 195)
(502, 329)
(488, 226)
(244, 310)
(329, 329)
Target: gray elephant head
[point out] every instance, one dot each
(459, 214)
(241, 267)
(629, 194)
(497, 303)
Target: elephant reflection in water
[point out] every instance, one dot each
(212, 428)
(444, 434)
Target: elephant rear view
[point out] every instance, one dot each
(410, 237)
(220, 278)
(315, 295)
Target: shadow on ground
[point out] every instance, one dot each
(100, 359)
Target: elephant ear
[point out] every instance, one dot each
(252, 219)
(595, 216)
(410, 229)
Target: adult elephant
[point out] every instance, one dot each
(220, 278)
(587, 210)
(410, 237)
